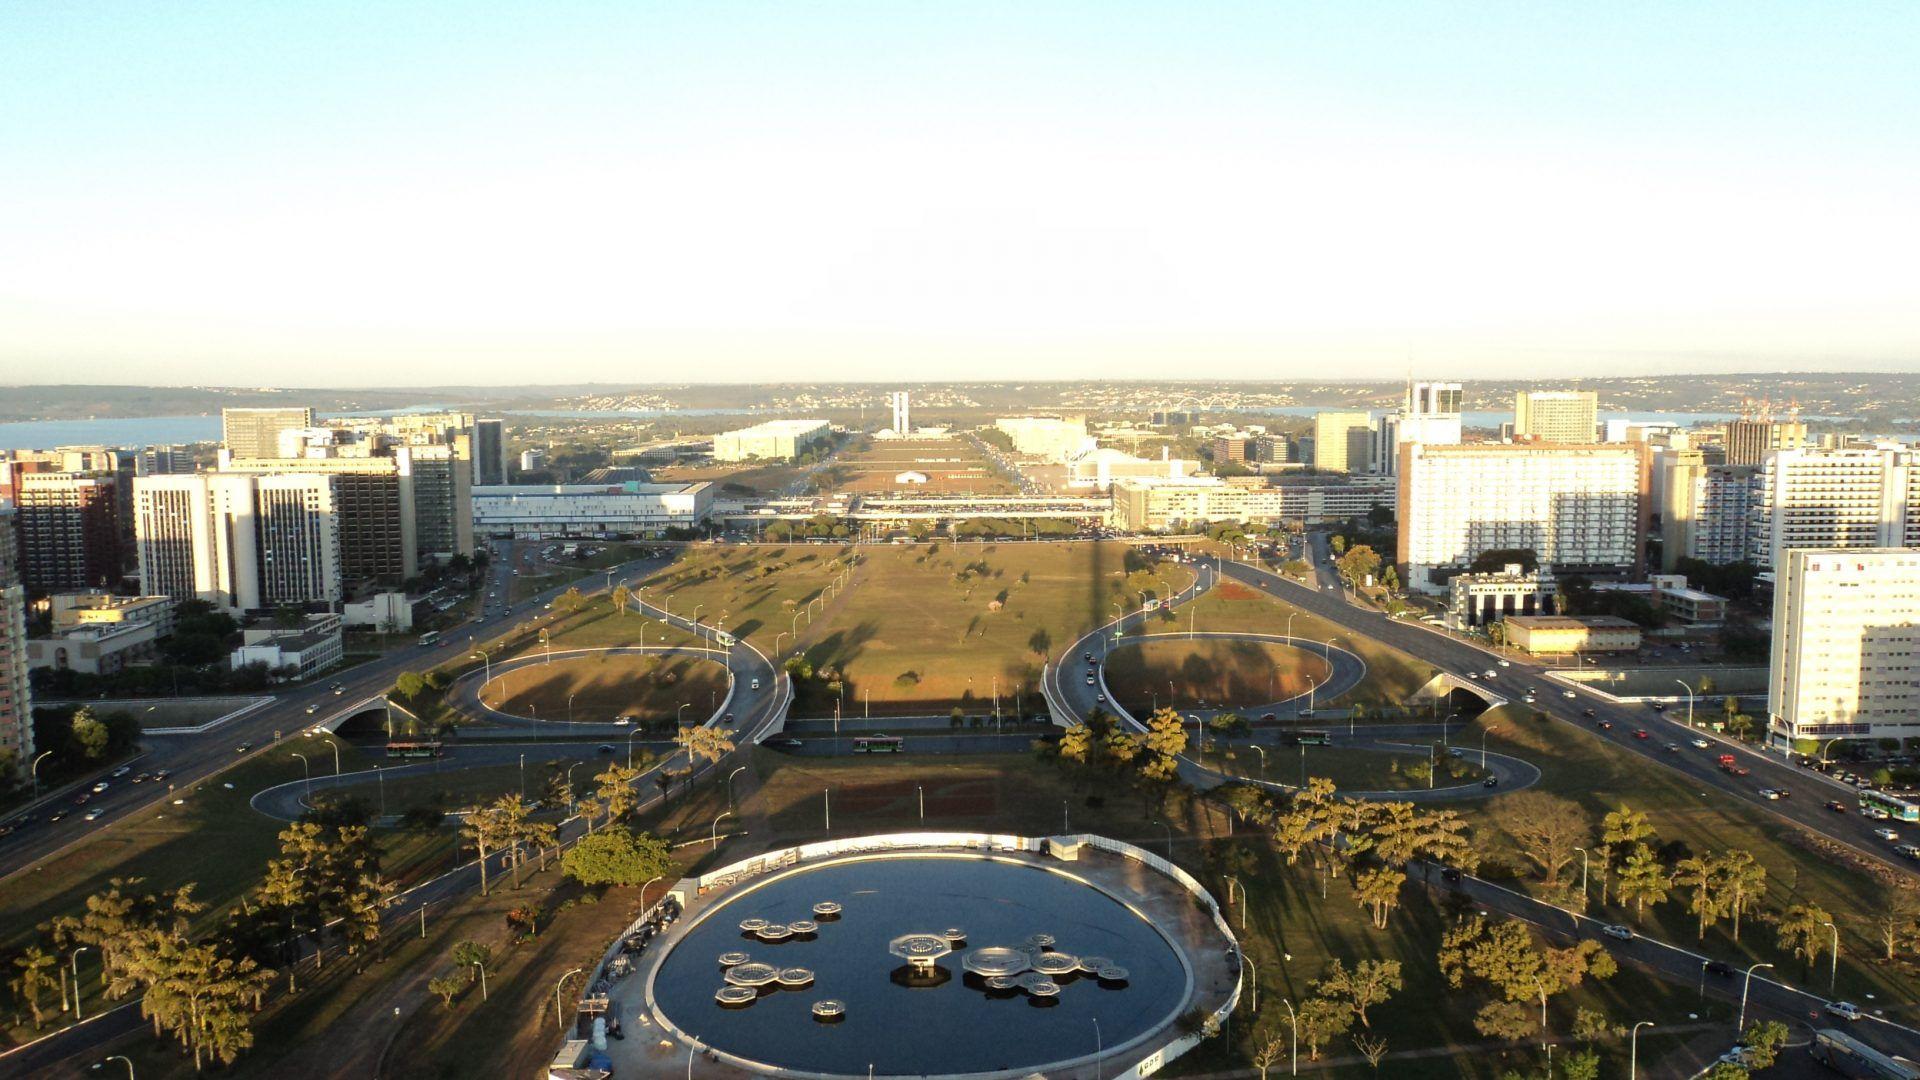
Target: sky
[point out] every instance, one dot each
(395, 193)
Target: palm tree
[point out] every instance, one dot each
(1643, 879)
(1742, 880)
(1379, 890)
(33, 979)
(1800, 929)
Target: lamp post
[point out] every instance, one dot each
(715, 835)
(486, 660)
(1293, 1021)
(1099, 1050)
(1290, 616)
(1689, 690)
(1583, 877)
(1253, 970)
(306, 769)
(1483, 743)
(335, 747)
(73, 965)
(630, 734)
(123, 1059)
(1833, 973)
(1741, 1023)
(1169, 829)
(44, 755)
(736, 772)
(558, 983)
(1262, 751)
(1633, 1050)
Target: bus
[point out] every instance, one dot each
(1312, 738)
(431, 637)
(428, 749)
(878, 744)
(1875, 803)
(1849, 1056)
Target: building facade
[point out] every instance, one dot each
(1342, 441)
(16, 693)
(489, 452)
(1749, 441)
(1556, 416)
(255, 433)
(775, 440)
(1051, 438)
(1851, 497)
(1846, 645)
(1705, 509)
(1151, 504)
(241, 542)
(70, 531)
(1430, 414)
(1562, 635)
(1476, 600)
(1579, 509)
(537, 510)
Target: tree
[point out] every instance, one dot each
(1725, 1070)
(615, 790)
(617, 856)
(1358, 564)
(475, 958)
(1802, 930)
(485, 829)
(89, 736)
(1076, 743)
(34, 980)
(705, 743)
(1740, 880)
(1581, 1065)
(1379, 891)
(1121, 747)
(1322, 1021)
(1643, 879)
(1620, 831)
(1545, 828)
(1508, 1021)
(408, 684)
(1591, 1025)
(1704, 900)
(1166, 735)
(1763, 1041)
(1896, 920)
(446, 988)
(1368, 983)
(622, 596)
(1270, 1053)
(1374, 1050)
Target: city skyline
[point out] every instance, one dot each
(395, 196)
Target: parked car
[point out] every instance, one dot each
(1720, 968)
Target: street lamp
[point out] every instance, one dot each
(730, 776)
(1169, 829)
(1253, 970)
(630, 734)
(44, 755)
(1633, 1050)
(1741, 1023)
(558, 983)
(1488, 730)
(1293, 1021)
(1689, 690)
(1833, 974)
(73, 965)
(1583, 877)
(306, 769)
(122, 1059)
(715, 836)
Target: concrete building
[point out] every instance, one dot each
(16, 693)
(532, 458)
(489, 452)
(1846, 645)
(1475, 600)
(442, 500)
(379, 514)
(296, 653)
(1429, 414)
(1577, 508)
(1149, 504)
(1561, 635)
(95, 650)
(242, 542)
(1749, 441)
(775, 440)
(1050, 438)
(1864, 497)
(902, 407)
(1342, 441)
(1679, 601)
(163, 460)
(1556, 416)
(387, 612)
(1100, 469)
(255, 433)
(70, 531)
(537, 510)
(1705, 510)
(73, 610)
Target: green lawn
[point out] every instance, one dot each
(599, 687)
(1349, 769)
(752, 591)
(1147, 672)
(926, 627)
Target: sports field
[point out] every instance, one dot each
(601, 687)
(924, 628)
(1208, 672)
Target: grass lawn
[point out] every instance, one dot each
(951, 466)
(755, 591)
(604, 686)
(597, 625)
(1349, 769)
(1578, 765)
(1392, 676)
(926, 627)
(1232, 674)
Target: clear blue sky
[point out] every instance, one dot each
(409, 193)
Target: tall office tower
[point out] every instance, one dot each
(1342, 441)
(16, 694)
(1857, 497)
(196, 538)
(69, 528)
(489, 452)
(902, 412)
(1429, 414)
(1846, 644)
(442, 498)
(1579, 509)
(1557, 416)
(1749, 440)
(255, 433)
(302, 524)
(1705, 509)
(379, 520)
(162, 461)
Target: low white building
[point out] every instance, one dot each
(1102, 467)
(300, 651)
(388, 612)
(1475, 600)
(1051, 438)
(775, 440)
(96, 648)
(540, 510)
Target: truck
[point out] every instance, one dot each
(1729, 765)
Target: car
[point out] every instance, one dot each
(784, 744)
(1641, 733)
(1087, 656)
(1266, 716)
(1474, 675)
(82, 799)
(1491, 673)
(1588, 713)
(1569, 695)
(1739, 1056)
(1491, 781)
(605, 748)
(1659, 706)
(1701, 744)
(1101, 698)
(1506, 663)
(1673, 748)
(56, 816)
(243, 748)
(1606, 725)
(1089, 680)
(122, 771)
(1719, 968)
(1836, 806)
(1874, 813)
(1770, 794)
(1888, 835)
(1908, 851)
(1617, 932)
(100, 787)
(338, 690)
(311, 709)
(1845, 1010)
(1451, 874)
(161, 774)
(92, 815)
(1454, 751)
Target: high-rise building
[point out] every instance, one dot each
(379, 518)
(162, 460)
(1429, 414)
(1342, 441)
(1578, 508)
(302, 535)
(489, 452)
(1854, 497)
(255, 433)
(69, 529)
(1705, 509)
(16, 694)
(902, 412)
(244, 542)
(1846, 645)
(1748, 441)
(442, 499)
(1556, 416)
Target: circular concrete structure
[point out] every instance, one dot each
(895, 962)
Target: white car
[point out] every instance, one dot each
(1491, 673)
(1568, 694)
(1701, 744)
(1618, 932)
(1888, 835)
(92, 815)
(1506, 663)
(1845, 1010)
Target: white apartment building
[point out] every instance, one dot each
(775, 440)
(1705, 510)
(1578, 508)
(1342, 441)
(1853, 497)
(1146, 504)
(240, 542)
(536, 510)
(1556, 416)
(1846, 645)
(1430, 414)
(1053, 438)
(16, 693)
